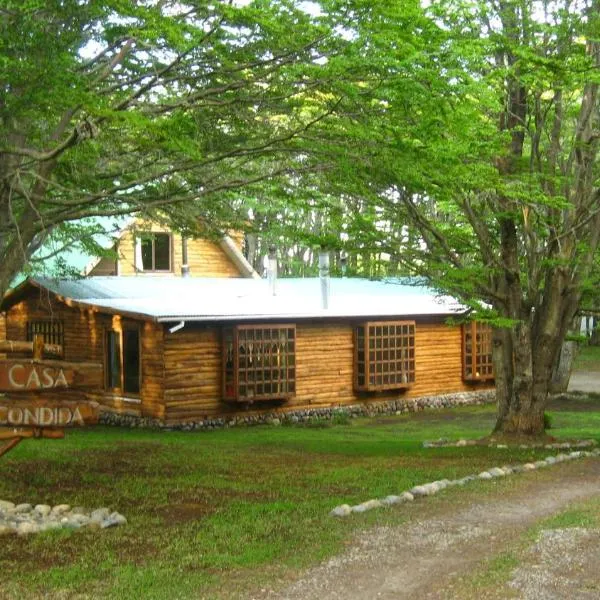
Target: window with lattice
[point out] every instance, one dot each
(384, 355)
(477, 352)
(52, 332)
(259, 362)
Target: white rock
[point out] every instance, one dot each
(484, 475)
(80, 519)
(389, 500)
(341, 511)
(27, 528)
(418, 490)
(23, 508)
(60, 509)
(370, 504)
(407, 496)
(6, 506)
(431, 488)
(358, 508)
(100, 514)
(496, 472)
(461, 443)
(529, 467)
(42, 509)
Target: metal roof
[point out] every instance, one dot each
(218, 299)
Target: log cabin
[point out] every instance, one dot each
(184, 349)
(145, 248)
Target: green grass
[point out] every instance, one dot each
(214, 513)
(588, 359)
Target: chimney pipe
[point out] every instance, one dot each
(324, 277)
(272, 270)
(185, 268)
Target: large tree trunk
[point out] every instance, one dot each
(564, 367)
(521, 397)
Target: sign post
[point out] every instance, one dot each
(35, 415)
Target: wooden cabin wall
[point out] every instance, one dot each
(205, 258)
(324, 369)
(84, 335)
(193, 373)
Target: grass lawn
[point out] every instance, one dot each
(218, 514)
(588, 359)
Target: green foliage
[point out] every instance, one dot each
(128, 106)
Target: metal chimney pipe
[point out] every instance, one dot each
(324, 277)
(185, 268)
(272, 270)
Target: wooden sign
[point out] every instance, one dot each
(31, 375)
(37, 416)
(47, 413)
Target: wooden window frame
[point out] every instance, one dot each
(237, 384)
(120, 390)
(374, 338)
(44, 328)
(152, 234)
(477, 351)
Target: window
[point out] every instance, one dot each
(477, 352)
(154, 252)
(259, 363)
(384, 355)
(52, 332)
(113, 360)
(122, 349)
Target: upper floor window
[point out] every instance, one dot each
(477, 352)
(384, 355)
(153, 252)
(52, 332)
(259, 362)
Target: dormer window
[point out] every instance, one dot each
(153, 252)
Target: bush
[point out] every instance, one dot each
(547, 421)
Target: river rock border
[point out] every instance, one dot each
(308, 415)
(445, 443)
(25, 519)
(429, 489)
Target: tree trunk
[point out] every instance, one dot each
(523, 378)
(564, 366)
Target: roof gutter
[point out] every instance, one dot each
(177, 327)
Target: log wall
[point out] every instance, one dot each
(84, 334)
(181, 372)
(205, 258)
(324, 364)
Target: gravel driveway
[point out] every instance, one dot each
(425, 559)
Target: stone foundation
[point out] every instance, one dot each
(307, 415)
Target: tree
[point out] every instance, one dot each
(479, 132)
(110, 107)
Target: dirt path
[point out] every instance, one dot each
(423, 559)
